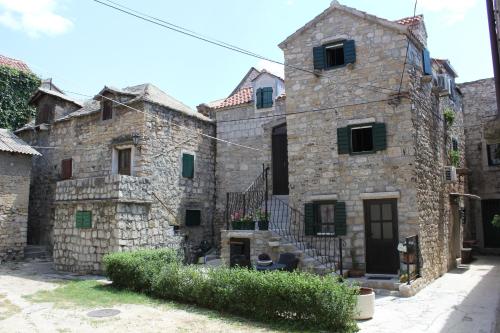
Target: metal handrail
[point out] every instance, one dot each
(412, 242)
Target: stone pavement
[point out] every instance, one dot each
(463, 300)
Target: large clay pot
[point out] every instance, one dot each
(365, 306)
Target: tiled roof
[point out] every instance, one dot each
(9, 142)
(242, 96)
(14, 63)
(409, 21)
(55, 93)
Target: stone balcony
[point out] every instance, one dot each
(119, 188)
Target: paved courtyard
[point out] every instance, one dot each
(464, 300)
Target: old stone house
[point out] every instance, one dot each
(15, 170)
(356, 149)
(129, 168)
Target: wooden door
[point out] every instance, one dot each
(381, 235)
(491, 233)
(280, 160)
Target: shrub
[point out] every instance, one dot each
(304, 298)
(135, 270)
(449, 116)
(455, 158)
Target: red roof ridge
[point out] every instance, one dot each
(14, 63)
(410, 20)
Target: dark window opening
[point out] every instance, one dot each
(124, 161)
(493, 151)
(193, 217)
(107, 109)
(67, 168)
(334, 55)
(325, 217)
(361, 139)
(44, 114)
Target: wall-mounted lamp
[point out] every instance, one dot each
(136, 137)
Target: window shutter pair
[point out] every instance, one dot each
(426, 60)
(193, 217)
(264, 97)
(379, 133)
(319, 54)
(311, 227)
(187, 165)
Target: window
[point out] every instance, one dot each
(334, 54)
(107, 109)
(325, 217)
(366, 138)
(67, 168)
(45, 114)
(362, 139)
(124, 161)
(83, 219)
(454, 144)
(193, 217)
(493, 151)
(264, 97)
(187, 165)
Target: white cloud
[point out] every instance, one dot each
(34, 17)
(271, 67)
(453, 11)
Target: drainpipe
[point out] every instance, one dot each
(494, 50)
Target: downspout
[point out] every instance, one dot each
(494, 50)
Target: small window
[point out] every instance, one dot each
(493, 151)
(264, 97)
(193, 217)
(325, 217)
(334, 55)
(107, 109)
(124, 161)
(67, 168)
(83, 219)
(362, 139)
(454, 144)
(187, 165)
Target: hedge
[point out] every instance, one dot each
(310, 300)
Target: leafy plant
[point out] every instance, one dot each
(306, 299)
(455, 157)
(449, 116)
(261, 215)
(496, 221)
(16, 88)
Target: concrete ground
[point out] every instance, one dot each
(463, 300)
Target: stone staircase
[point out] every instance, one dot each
(36, 252)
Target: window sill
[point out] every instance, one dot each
(362, 153)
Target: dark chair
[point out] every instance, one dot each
(289, 260)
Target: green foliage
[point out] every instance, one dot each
(455, 157)
(496, 221)
(16, 88)
(449, 116)
(301, 298)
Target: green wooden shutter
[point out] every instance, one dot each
(379, 137)
(258, 102)
(349, 52)
(193, 217)
(309, 219)
(319, 58)
(426, 60)
(187, 165)
(340, 219)
(83, 219)
(267, 97)
(343, 140)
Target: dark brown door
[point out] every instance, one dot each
(124, 156)
(381, 232)
(280, 160)
(491, 233)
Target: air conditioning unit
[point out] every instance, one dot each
(450, 174)
(444, 82)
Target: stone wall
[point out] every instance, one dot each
(260, 242)
(14, 194)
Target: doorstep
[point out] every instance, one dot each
(381, 284)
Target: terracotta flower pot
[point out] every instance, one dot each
(365, 305)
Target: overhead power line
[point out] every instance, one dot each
(407, 49)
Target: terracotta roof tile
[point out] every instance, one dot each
(14, 63)
(409, 21)
(242, 96)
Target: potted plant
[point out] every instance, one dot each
(365, 305)
(240, 221)
(262, 219)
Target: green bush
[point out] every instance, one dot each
(303, 298)
(136, 270)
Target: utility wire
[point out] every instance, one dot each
(407, 49)
(193, 34)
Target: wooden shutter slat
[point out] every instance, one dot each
(267, 97)
(340, 219)
(67, 168)
(349, 52)
(309, 219)
(343, 140)
(379, 136)
(187, 166)
(319, 58)
(259, 98)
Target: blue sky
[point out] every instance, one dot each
(83, 45)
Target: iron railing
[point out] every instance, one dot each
(412, 257)
(325, 248)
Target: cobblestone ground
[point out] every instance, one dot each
(463, 300)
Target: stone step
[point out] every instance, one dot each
(36, 252)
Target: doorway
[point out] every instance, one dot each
(491, 233)
(280, 160)
(381, 236)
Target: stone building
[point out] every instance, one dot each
(482, 130)
(15, 170)
(129, 168)
(360, 151)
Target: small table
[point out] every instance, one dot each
(273, 267)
